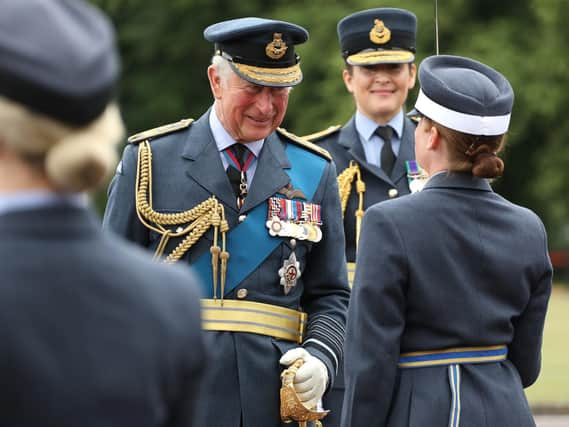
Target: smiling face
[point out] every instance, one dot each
(248, 112)
(380, 90)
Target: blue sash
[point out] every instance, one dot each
(249, 244)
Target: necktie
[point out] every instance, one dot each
(239, 158)
(387, 155)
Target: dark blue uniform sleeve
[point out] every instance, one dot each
(120, 214)
(326, 293)
(525, 348)
(375, 322)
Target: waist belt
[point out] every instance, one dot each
(253, 317)
(453, 358)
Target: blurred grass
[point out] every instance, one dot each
(552, 386)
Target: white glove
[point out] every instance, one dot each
(311, 379)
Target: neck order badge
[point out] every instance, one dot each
(240, 159)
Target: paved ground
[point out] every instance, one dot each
(552, 420)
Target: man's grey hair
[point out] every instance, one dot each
(223, 68)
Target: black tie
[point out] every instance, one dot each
(387, 155)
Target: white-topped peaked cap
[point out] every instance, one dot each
(464, 95)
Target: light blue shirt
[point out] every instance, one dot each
(372, 143)
(26, 200)
(224, 140)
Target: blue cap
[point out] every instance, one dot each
(378, 36)
(260, 50)
(464, 95)
(57, 58)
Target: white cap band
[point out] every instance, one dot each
(462, 122)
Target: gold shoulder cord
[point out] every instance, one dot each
(345, 180)
(198, 219)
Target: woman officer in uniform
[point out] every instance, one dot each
(447, 310)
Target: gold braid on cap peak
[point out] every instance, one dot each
(192, 223)
(345, 180)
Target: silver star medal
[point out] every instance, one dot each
(290, 271)
(275, 226)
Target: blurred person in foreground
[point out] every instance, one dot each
(255, 210)
(93, 334)
(452, 284)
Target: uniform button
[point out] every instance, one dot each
(242, 293)
(242, 218)
(393, 193)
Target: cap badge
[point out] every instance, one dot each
(379, 34)
(277, 48)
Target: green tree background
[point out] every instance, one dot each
(165, 58)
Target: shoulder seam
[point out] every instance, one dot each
(305, 143)
(321, 134)
(160, 131)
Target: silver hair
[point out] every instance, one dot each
(223, 68)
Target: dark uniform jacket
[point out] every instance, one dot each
(452, 266)
(345, 145)
(93, 334)
(187, 169)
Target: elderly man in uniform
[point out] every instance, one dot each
(374, 151)
(92, 333)
(255, 210)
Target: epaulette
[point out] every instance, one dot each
(321, 134)
(159, 131)
(305, 143)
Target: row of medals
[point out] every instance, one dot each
(297, 230)
(290, 272)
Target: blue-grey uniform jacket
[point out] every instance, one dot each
(244, 374)
(345, 145)
(93, 334)
(453, 266)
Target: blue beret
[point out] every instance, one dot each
(57, 57)
(260, 50)
(378, 36)
(464, 95)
